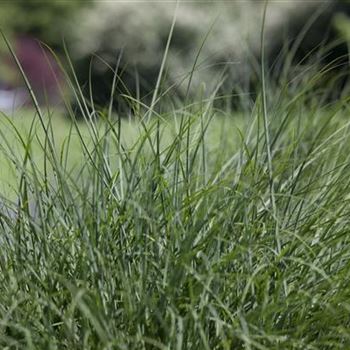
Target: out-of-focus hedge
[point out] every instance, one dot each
(139, 30)
(222, 33)
(43, 20)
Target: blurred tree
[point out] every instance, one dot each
(43, 20)
(231, 33)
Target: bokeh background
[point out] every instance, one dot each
(215, 44)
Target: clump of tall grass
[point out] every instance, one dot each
(204, 229)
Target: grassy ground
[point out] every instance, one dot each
(23, 131)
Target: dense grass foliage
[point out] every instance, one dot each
(160, 233)
(186, 227)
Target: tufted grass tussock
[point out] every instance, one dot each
(184, 227)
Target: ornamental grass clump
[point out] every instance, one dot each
(183, 227)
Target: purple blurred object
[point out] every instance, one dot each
(40, 68)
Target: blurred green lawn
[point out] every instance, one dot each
(24, 128)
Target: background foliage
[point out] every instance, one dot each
(44, 20)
